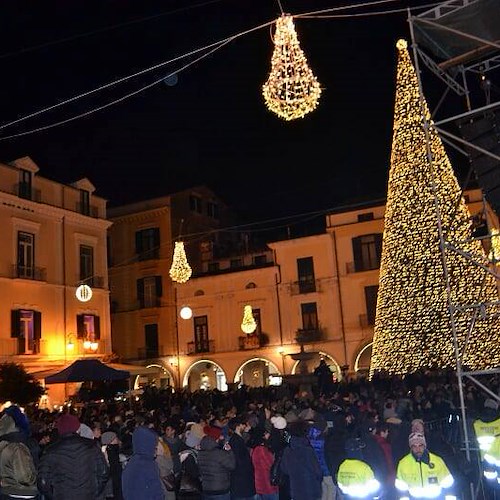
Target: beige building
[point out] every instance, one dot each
(319, 291)
(54, 240)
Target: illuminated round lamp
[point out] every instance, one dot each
(83, 293)
(94, 346)
(70, 345)
(186, 312)
(86, 344)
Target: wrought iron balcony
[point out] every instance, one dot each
(199, 347)
(29, 272)
(150, 352)
(249, 342)
(306, 286)
(307, 335)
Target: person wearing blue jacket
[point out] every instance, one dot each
(301, 464)
(141, 476)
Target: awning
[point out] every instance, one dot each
(137, 369)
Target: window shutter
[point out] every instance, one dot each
(97, 327)
(80, 326)
(140, 291)
(138, 242)
(37, 319)
(378, 247)
(159, 290)
(15, 323)
(356, 250)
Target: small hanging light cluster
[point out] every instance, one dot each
(291, 90)
(494, 255)
(180, 270)
(248, 325)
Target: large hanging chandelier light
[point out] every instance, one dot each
(180, 270)
(291, 90)
(248, 325)
(494, 255)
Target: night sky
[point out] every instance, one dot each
(211, 125)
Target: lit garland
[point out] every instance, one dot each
(291, 91)
(413, 324)
(180, 270)
(248, 325)
(494, 255)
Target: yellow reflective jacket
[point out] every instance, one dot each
(356, 478)
(485, 434)
(423, 480)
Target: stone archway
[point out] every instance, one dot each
(314, 362)
(363, 359)
(258, 372)
(205, 374)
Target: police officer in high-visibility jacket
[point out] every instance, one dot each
(487, 431)
(355, 477)
(422, 474)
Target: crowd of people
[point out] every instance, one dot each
(389, 438)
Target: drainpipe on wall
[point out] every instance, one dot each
(342, 325)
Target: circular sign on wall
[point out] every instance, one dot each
(83, 293)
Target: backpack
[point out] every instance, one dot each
(188, 483)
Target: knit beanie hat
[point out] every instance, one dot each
(67, 423)
(107, 437)
(85, 431)
(214, 432)
(279, 422)
(416, 438)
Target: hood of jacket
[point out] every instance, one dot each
(207, 443)
(7, 425)
(144, 441)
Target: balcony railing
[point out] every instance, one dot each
(150, 352)
(19, 347)
(199, 347)
(249, 342)
(308, 286)
(307, 335)
(29, 272)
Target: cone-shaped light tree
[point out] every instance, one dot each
(420, 292)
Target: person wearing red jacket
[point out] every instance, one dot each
(263, 459)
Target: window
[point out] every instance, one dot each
(236, 263)
(367, 251)
(305, 272)
(25, 184)
(212, 210)
(25, 255)
(151, 340)
(259, 260)
(88, 327)
(256, 317)
(371, 303)
(147, 243)
(149, 291)
(195, 204)
(87, 265)
(26, 327)
(201, 334)
(365, 217)
(84, 202)
(309, 316)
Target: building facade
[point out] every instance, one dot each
(54, 240)
(314, 292)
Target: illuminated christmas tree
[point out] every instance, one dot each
(413, 326)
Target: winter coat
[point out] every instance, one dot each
(17, 470)
(242, 477)
(72, 467)
(263, 459)
(141, 476)
(301, 465)
(317, 440)
(215, 466)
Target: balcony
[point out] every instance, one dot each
(308, 335)
(302, 287)
(150, 352)
(93, 282)
(29, 272)
(200, 347)
(249, 342)
(76, 347)
(19, 347)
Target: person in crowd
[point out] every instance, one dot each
(166, 468)
(110, 446)
(300, 464)
(422, 474)
(73, 466)
(381, 437)
(262, 460)
(174, 442)
(215, 465)
(189, 479)
(242, 477)
(18, 472)
(324, 376)
(141, 476)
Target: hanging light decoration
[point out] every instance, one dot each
(494, 255)
(180, 270)
(248, 325)
(291, 91)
